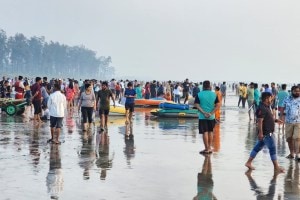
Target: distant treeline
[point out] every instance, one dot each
(36, 57)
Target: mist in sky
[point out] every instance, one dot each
(232, 40)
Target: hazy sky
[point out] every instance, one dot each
(232, 40)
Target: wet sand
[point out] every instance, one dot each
(161, 161)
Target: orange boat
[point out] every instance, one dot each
(149, 102)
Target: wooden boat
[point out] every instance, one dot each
(175, 113)
(149, 102)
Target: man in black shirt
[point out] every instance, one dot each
(266, 124)
(186, 90)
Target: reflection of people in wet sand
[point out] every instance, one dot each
(292, 182)
(129, 149)
(103, 161)
(205, 183)
(258, 190)
(55, 178)
(34, 148)
(216, 138)
(266, 124)
(87, 154)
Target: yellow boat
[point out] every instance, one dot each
(118, 110)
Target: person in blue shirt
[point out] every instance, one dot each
(130, 95)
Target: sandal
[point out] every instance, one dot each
(55, 142)
(290, 157)
(204, 152)
(50, 140)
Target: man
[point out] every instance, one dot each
(19, 88)
(130, 94)
(275, 99)
(37, 99)
(104, 95)
(186, 90)
(250, 99)
(56, 104)
(153, 87)
(291, 106)
(207, 103)
(223, 89)
(266, 125)
(282, 94)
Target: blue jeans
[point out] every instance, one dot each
(269, 142)
(177, 98)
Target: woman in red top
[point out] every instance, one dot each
(147, 90)
(70, 93)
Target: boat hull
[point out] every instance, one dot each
(175, 113)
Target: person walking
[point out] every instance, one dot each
(207, 103)
(130, 94)
(266, 125)
(291, 107)
(87, 104)
(56, 104)
(104, 95)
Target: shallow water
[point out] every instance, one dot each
(161, 161)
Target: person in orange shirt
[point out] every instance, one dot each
(218, 111)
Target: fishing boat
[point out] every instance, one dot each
(175, 113)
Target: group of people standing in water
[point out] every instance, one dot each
(267, 105)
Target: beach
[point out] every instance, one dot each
(160, 161)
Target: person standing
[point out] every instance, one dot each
(87, 104)
(37, 99)
(218, 111)
(105, 94)
(130, 94)
(266, 125)
(291, 107)
(19, 88)
(207, 103)
(177, 92)
(223, 89)
(56, 104)
(256, 98)
(282, 94)
(250, 99)
(186, 90)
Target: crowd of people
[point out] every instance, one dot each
(266, 105)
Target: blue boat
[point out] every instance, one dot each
(171, 105)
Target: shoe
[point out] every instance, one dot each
(297, 159)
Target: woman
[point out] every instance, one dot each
(177, 92)
(87, 103)
(70, 93)
(147, 90)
